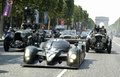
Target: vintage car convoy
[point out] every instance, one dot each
(54, 52)
(98, 41)
(18, 39)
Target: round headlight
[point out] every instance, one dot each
(12, 34)
(104, 40)
(73, 56)
(93, 39)
(22, 35)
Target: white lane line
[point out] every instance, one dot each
(61, 74)
(116, 43)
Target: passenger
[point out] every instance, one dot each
(23, 25)
(103, 30)
(98, 28)
(95, 28)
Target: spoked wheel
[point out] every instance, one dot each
(87, 47)
(6, 44)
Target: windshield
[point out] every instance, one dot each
(69, 32)
(48, 31)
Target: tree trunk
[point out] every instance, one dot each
(49, 22)
(1, 26)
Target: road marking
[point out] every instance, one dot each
(61, 74)
(116, 43)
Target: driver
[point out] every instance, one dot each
(29, 25)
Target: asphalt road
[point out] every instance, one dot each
(99, 64)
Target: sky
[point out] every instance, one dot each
(106, 8)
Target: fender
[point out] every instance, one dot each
(29, 54)
(76, 61)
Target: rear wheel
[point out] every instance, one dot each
(6, 44)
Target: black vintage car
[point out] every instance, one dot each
(98, 41)
(18, 39)
(69, 34)
(55, 52)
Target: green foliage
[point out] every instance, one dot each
(81, 15)
(55, 8)
(115, 25)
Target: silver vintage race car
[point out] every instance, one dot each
(98, 41)
(18, 39)
(53, 52)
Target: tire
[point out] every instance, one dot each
(87, 47)
(32, 55)
(109, 48)
(6, 44)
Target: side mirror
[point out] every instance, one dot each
(76, 44)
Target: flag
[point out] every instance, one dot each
(80, 25)
(37, 16)
(62, 21)
(8, 8)
(45, 17)
(76, 25)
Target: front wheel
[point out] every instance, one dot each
(109, 48)
(87, 47)
(6, 44)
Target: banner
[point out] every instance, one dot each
(80, 25)
(8, 8)
(62, 21)
(37, 16)
(45, 17)
(77, 26)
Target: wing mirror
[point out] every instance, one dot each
(76, 44)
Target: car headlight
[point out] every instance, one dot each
(104, 40)
(71, 60)
(73, 56)
(93, 39)
(22, 35)
(12, 34)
